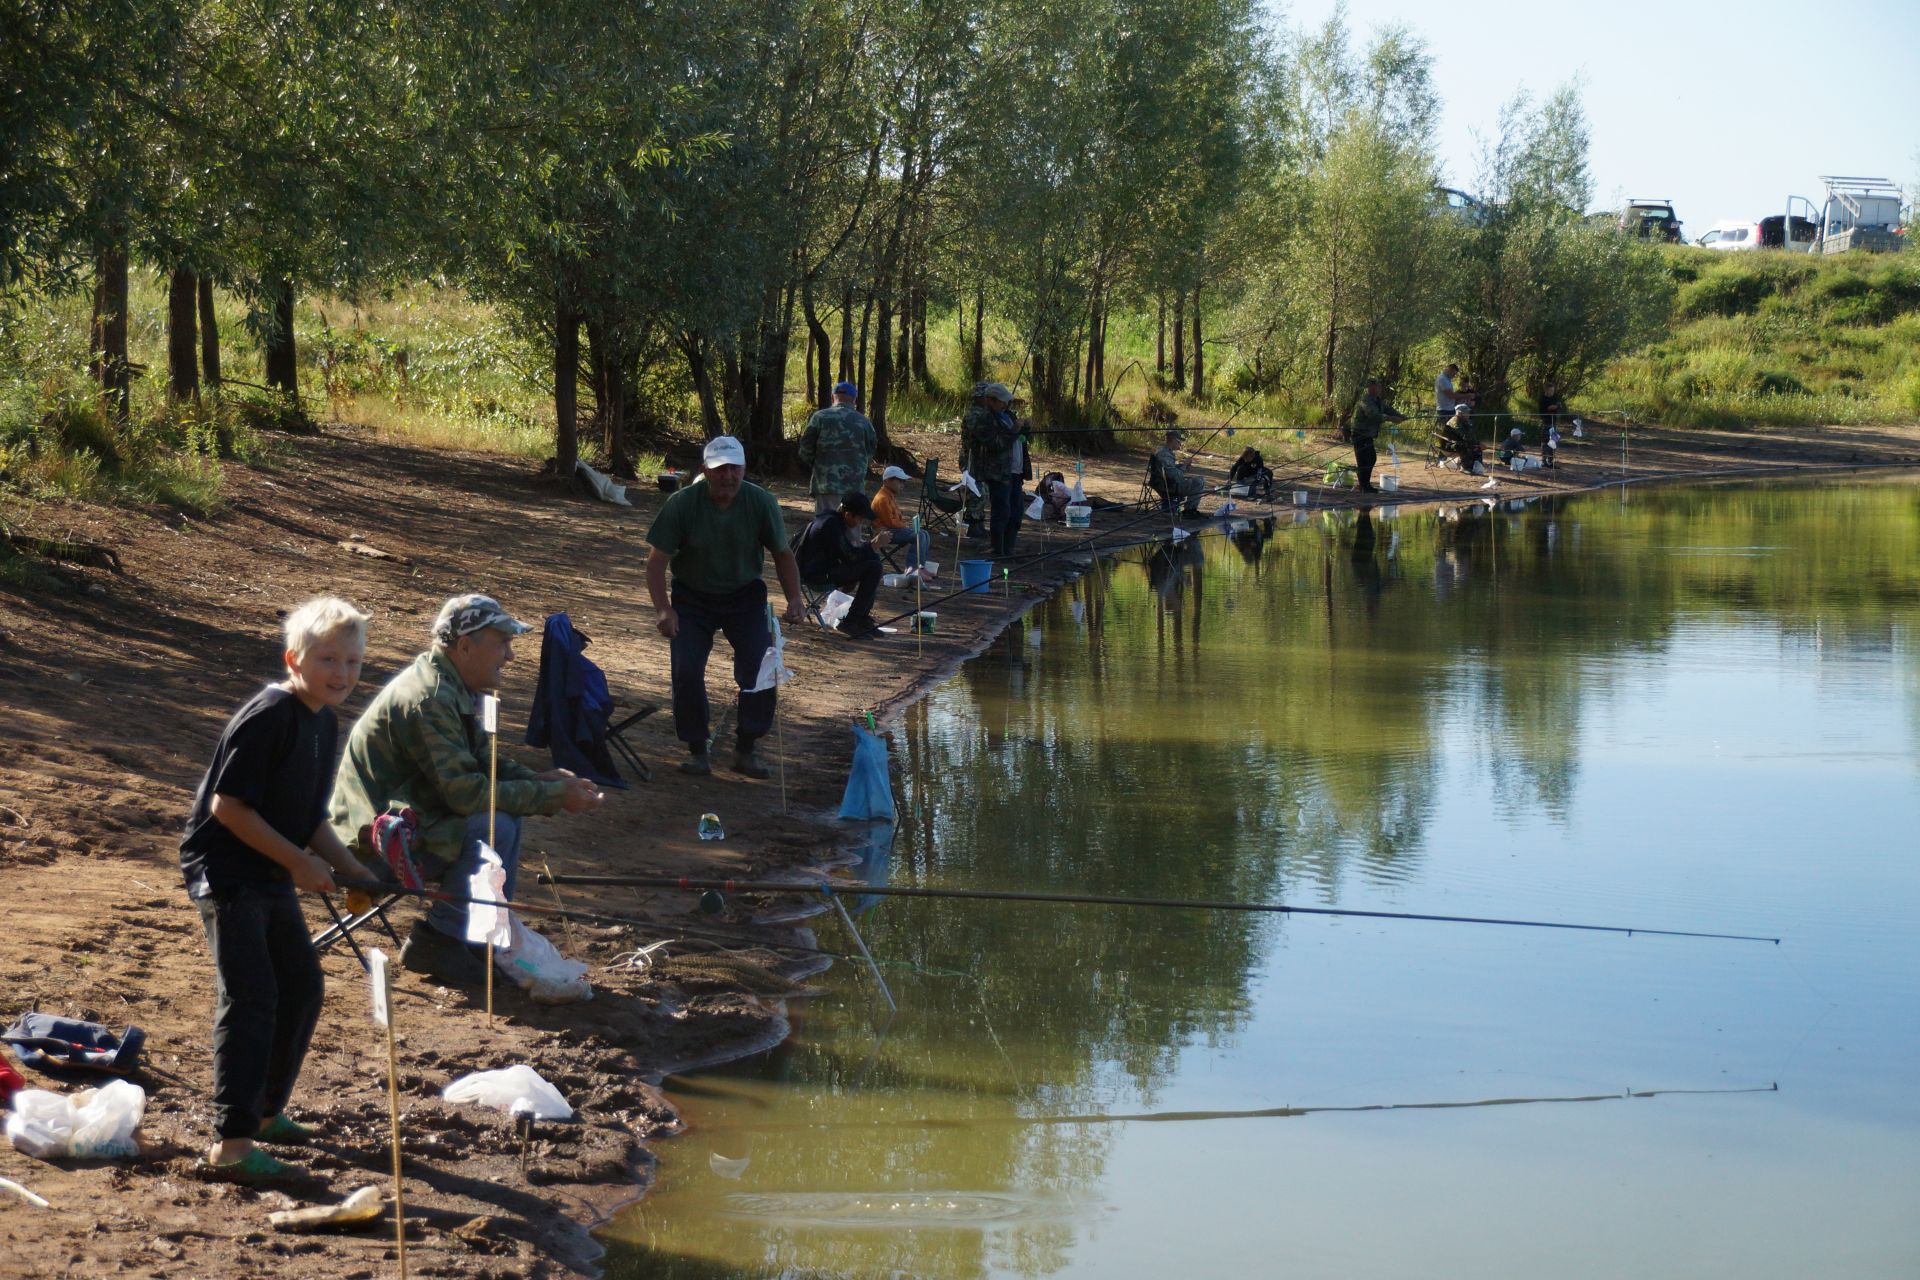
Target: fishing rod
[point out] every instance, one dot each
(1113, 900)
(378, 887)
(1188, 1117)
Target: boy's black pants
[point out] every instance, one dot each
(269, 995)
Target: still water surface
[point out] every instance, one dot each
(1685, 710)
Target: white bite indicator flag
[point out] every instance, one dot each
(377, 976)
(774, 671)
(489, 713)
(487, 921)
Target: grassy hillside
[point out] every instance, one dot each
(1780, 340)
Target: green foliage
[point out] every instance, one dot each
(1776, 339)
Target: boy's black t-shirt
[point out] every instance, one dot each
(278, 757)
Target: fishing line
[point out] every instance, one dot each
(1114, 900)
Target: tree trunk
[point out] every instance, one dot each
(860, 365)
(1160, 340)
(566, 388)
(701, 369)
(209, 335)
(819, 351)
(1179, 341)
(902, 366)
(882, 373)
(283, 370)
(849, 371)
(1199, 355)
(977, 364)
(183, 338)
(920, 374)
(110, 367)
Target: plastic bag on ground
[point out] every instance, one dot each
(834, 609)
(92, 1123)
(869, 791)
(517, 1090)
(536, 966)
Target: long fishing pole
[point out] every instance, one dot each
(377, 887)
(1114, 900)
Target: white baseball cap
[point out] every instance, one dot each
(895, 473)
(724, 451)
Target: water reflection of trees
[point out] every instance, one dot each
(1262, 716)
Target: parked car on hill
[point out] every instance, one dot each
(1651, 220)
(1781, 231)
(1469, 209)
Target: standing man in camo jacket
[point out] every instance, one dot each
(838, 444)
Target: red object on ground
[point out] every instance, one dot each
(11, 1082)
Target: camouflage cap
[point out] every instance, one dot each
(464, 615)
(996, 391)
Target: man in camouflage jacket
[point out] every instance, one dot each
(838, 443)
(420, 743)
(987, 435)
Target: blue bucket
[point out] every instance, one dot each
(976, 576)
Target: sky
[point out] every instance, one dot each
(1725, 109)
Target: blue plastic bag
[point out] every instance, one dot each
(869, 790)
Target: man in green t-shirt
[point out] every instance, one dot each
(712, 534)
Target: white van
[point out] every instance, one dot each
(1781, 231)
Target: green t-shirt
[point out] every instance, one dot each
(717, 551)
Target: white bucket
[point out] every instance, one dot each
(1079, 517)
(1301, 497)
(1389, 483)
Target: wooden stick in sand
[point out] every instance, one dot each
(383, 1017)
(490, 716)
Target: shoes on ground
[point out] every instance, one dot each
(449, 960)
(699, 764)
(283, 1128)
(254, 1169)
(746, 762)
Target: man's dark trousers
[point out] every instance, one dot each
(859, 574)
(1363, 460)
(742, 615)
(1003, 525)
(268, 995)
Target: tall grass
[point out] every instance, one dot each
(1780, 340)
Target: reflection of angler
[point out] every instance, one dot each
(830, 888)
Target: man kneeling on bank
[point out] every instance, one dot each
(713, 534)
(420, 744)
(836, 552)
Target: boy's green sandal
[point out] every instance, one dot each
(282, 1128)
(254, 1169)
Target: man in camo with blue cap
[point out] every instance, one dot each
(838, 443)
(420, 743)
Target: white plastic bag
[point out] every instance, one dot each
(538, 968)
(92, 1123)
(834, 609)
(517, 1090)
(1037, 507)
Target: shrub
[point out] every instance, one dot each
(1722, 293)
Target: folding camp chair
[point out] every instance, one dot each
(392, 837)
(572, 713)
(1153, 488)
(937, 510)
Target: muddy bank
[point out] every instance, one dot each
(116, 686)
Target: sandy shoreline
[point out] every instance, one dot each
(117, 686)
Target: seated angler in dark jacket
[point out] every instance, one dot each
(834, 550)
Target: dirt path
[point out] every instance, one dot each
(115, 687)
